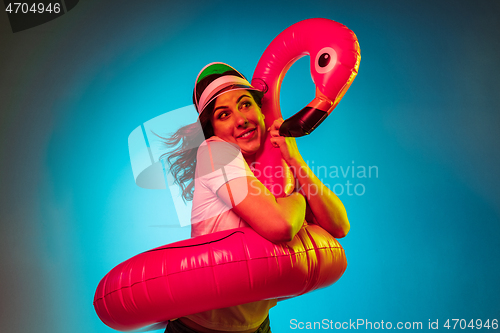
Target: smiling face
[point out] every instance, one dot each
(238, 119)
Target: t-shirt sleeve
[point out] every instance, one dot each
(219, 162)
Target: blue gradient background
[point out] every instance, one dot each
(424, 109)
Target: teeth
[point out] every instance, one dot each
(247, 134)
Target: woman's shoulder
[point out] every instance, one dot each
(215, 147)
(217, 139)
(215, 153)
(213, 139)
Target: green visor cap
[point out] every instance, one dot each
(215, 68)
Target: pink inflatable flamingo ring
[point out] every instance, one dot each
(239, 266)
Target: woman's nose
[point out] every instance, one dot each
(241, 119)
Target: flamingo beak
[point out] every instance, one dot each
(306, 120)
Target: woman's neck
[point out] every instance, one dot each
(250, 159)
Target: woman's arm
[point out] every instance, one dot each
(326, 208)
(276, 219)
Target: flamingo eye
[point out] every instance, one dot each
(326, 59)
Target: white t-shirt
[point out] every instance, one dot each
(219, 162)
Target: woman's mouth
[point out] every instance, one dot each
(247, 134)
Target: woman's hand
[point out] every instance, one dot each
(324, 207)
(277, 219)
(287, 145)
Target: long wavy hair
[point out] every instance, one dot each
(181, 157)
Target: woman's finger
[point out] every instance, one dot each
(274, 129)
(274, 143)
(274, 133)
(276, 124)
(278, 141)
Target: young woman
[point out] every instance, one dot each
(217, 176)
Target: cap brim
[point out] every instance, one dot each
(228, 89)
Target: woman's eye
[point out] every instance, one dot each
(246, 104)
(222, 114)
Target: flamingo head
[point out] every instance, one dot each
(334, 62)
